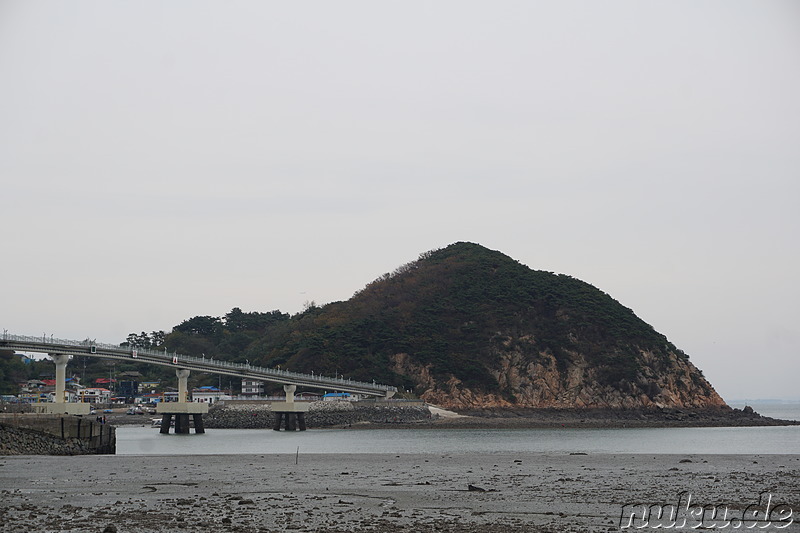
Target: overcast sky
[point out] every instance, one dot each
(162, 160)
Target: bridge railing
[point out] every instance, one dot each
(167, 356)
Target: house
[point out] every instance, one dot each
(24, 358)
(170, 396)
(209, 395)
(94, 395)
(151, 398)
(339, 397)
(32, 385)
(32, 397)
(251, 387)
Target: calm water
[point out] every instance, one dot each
(757, 440)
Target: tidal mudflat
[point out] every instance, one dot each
(376, 492)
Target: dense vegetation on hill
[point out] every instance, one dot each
(13, 371)
(456, 312)
(446, 309)
(462, 318)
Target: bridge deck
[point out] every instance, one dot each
(142, 355)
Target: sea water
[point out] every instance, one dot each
(728, 440)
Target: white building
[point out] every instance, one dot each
(209, 395)
(94, 395)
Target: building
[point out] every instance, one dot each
(94, 395)
(209, 395)
(32, 385)
(170, 396)
(339, 397)
(128, 389)
(251, 388)
(32, 397)
(24, 358)
(148, 387)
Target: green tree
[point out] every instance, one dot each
(199, 325)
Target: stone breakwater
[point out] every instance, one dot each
(46, 435)
(230, 415)
(601, 418)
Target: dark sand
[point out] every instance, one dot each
(381, 493)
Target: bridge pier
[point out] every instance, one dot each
(289, 414)
(179, 411)
(61, 360)
(180, 415)
(183, 384)
(60, 406)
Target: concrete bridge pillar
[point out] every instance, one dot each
(181, 410)
(183, 384)
(60, 405)
(291, 413)
(60, 359)
(289, 390)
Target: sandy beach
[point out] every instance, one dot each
(375, 492)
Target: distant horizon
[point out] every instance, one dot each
(794, 399)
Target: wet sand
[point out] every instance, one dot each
(376, 492)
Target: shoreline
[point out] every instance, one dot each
(611, 418)
(547, 418)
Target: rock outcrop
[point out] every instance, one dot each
(671, 382)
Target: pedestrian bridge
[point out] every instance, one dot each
(91, 348)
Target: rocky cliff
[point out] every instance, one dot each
(525, 383)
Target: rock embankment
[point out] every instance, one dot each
(613, 418)
(332, 414)
(225, 415)
(23, 441)
(231, 415)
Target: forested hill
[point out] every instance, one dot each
(465, 326)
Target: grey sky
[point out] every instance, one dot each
(165, 160)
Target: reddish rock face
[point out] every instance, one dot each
(662, 381)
